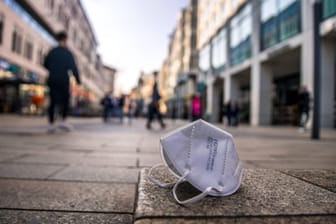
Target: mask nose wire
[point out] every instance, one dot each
(188, 163)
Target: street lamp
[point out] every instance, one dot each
(317, 14)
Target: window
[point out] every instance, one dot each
(219, 54)
(234, 4)
(204, 60)
(51, 4)
(223, 10)
(74, 12)
(16, 42)
(40, 56)
(283, 4)
(74, 38)
(241, 29)
(28, 51)
(329, 8)
(67, 23)
(268, 9)
(241, 26)
(280, 19)
(1, 27)
(60, 13)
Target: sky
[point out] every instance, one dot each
(133, 35)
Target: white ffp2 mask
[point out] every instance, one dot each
(203, 155)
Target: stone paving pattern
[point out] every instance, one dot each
(90, 175)
(263, 193)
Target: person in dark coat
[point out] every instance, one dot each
(303, 106)
(106, 102)
(232, 113)
(59, 61)
(154, 106)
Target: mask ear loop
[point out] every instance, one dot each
(190, 200)
(156, 181)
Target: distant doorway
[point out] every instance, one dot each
(285, 110)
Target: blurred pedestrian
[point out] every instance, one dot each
(106, 102)
(303, 106)
(121, 104)
(232, 113)
(59, 61)
(195, 107)
(235, 113)
(131, 107)
(154, 105)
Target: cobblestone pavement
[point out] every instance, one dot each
(90, 175)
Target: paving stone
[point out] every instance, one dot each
(49, 158)
(323, 178)
(295, 164)
(80, 159)
(243, 220)
(33, 171)
(99, 174)
(125, 159)
(149, 149)
(108, 148)
(262, 193)
(5, 156)
(149, 159)
(66, 196)
(34, 217)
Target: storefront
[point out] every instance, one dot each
(21, 90)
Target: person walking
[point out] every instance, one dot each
(131, 107)
(303, 106)
(232, 113)
(195, 107)
(154, 106)
(121, 104)
(59, 61)
(106, 102)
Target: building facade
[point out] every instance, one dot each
(109, 78)
(258, 53)
(27, 31)
(182, 62)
